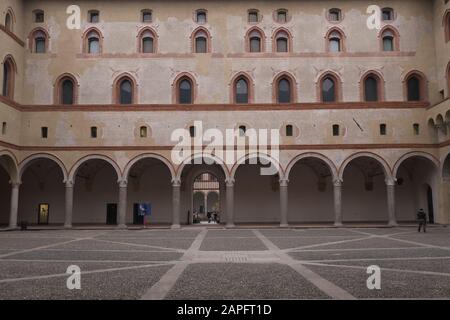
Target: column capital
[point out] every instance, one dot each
(391, 181)
(15, 184)
(123, 183)
(176, 183)
(69, 183)
(229, 182)
(338, 182)
(284, 182)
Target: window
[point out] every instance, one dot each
(282, 41)
(201, 41)
(241, 91)
(328, 90)
(185, 91)
(335, 42)
(93, 132)
(284, 91)
(371, 89)
(125, 91)
(201, 16)
(9, 21)
(289, 130)
(334, 15)
(39, 42)
(387, 14)
(447, 26)
(143, 132)
(94, 16)
(92, 42)
(192, 131)
(146, 16)
(255, 41)
(4, 128)
(253, 16)
(336, 130)
(281, 16)
(416, 129)
(242, 130)
(67, 92)
(44, 132)
(413, 87)
(383, 129)
(147, 41)
(389, 39)
(38, 16)
(9, 71)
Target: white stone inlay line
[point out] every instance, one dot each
(322, 284)
(160, 289)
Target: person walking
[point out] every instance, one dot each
(422, 218)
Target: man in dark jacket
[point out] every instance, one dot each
(422, 218)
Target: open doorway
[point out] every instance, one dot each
(206, 199)
(430, 204)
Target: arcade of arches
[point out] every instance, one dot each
(309, 188)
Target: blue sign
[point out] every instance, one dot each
(145, 209)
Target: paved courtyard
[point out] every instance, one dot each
(201, 263)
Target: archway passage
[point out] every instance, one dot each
(149, 185)
(256, 195)
(364, 194)
(206, 199)
(416, 189)
(42, 193)
(446, 190)
(5, 191)
(95, 199)
(203, 177)
(310, 192)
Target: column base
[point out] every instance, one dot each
(338, 224)
(393, 224)
(175, 226)
(230, 225)
(121, 226)
(284, 225)
(67, 226)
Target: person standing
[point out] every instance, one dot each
(422, 218)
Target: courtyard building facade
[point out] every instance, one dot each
(87, 112)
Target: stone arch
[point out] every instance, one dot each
(386, 168)
(266, 157)
(215, 159)
(28, 161)
(408, 155)
(314, 155)
(140, 157)
(84, 159)
(10, 165)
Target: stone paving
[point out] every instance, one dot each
(201, 263)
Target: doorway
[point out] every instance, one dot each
(137, 218)
(205, 199)
(430, 204)
(44, 211)
(111, 213)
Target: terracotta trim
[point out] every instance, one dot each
(327, 39)
(116, 89)
(262, 38)
(423, 84)
(139, 48)
(396, 37)
(208, 39)
(85, 47)
(380, 85)
(271, 55)
(250, 84)
(275, 37)
(219, 107)
(12, 36)
(32, 40)
(175, 91)
(57, 95)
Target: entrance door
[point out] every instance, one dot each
(137, 219)
(43, 215)
(111, 213)
(430, 205)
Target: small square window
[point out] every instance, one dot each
(94, 16)
(44, 132)
(281, 16)
(383, 129)
(201, 17)
(334, 15)
(253, 17)
(93, 132)
(387, 15)
(143, 132)
(147, 16)
(336, 130)
(39, 17)
(289, 131)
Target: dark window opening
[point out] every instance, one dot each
(242, 91)
(413, 89)
(383, 129)
(371, 89)
(44, 132)
(94, 16)
(67, 92)
(94, 132)
(192, 131)
(201, 17)
(328, 90)
(242, 130)
(289, 130)
(126, 92)
(39, 17)
(284, 91)
(185, 92)
(416, 129)
(335, 130)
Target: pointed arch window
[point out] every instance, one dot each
(255, 41)
(241, 91)
(39, 41)
(282, 41)
(93, 42)
(147, 42)
(125, 91)
(372, 88)
(413, 87)
(447, 26)
(388, 41)
(66, 90)
(284, 90)
(329, 88)
(9, 21)
(9, 71)
(335, 40)
(185, 91)
(201, 41)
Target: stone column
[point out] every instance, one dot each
(176, 203)
(205, 197)
(390, 186)
(230, 203)
(284, 203)
(337, 185)
(69, 204)
(122, 203)
(14, 204)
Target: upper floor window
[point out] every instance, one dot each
(94, 16)
(281, 16)
(329, 88)
(389, 39)
(242, 91)
(184, 90)
(415, 86)
(282, 43)
(334, 15)
(447, 25)
(147, 40)
(39, 39)
(335, 41)
(200, 16)
(39, 16)
(253, 16)
(92, 42)
(146, 16)
(372, 88)
(284, 90)
(9, 70)
(9, 21)
(125, 90)
(65, 90)
(255, 41)
(387, 14)
(201, 40)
